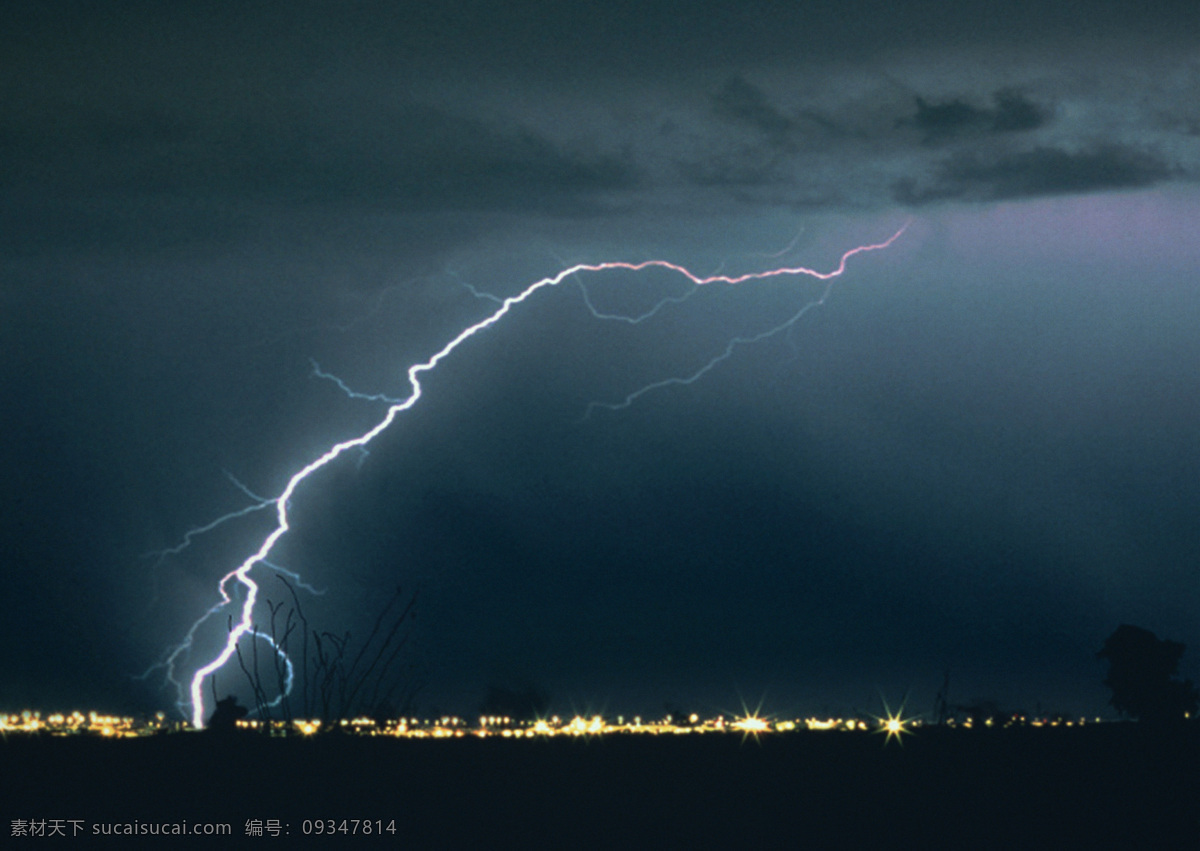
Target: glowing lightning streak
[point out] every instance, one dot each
(724, 355)
(242, 572)
(641, 317)
(377, 397)
(259, 504)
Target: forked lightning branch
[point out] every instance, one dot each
(242, 622)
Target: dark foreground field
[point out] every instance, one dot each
(1104, 786)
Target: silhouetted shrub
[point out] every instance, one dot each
(225, 717)
(1141, 675)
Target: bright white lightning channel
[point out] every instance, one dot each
(396, 407)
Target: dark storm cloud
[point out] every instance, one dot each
(745, 104)
(410, 154)
(762, 162)
(437, 160)
(474, 108)
(744, 168)
(757, 160)
(1012, 112)
(1034, 173)
(799, 150)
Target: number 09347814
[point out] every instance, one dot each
(347, 827)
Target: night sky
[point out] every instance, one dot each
(979, 455)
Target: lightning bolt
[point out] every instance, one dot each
(242, 573)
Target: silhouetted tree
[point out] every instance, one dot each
(1141, 674)
(330, 680)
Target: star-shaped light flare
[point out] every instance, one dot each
(894, 724)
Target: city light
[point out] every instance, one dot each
(894, 725)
